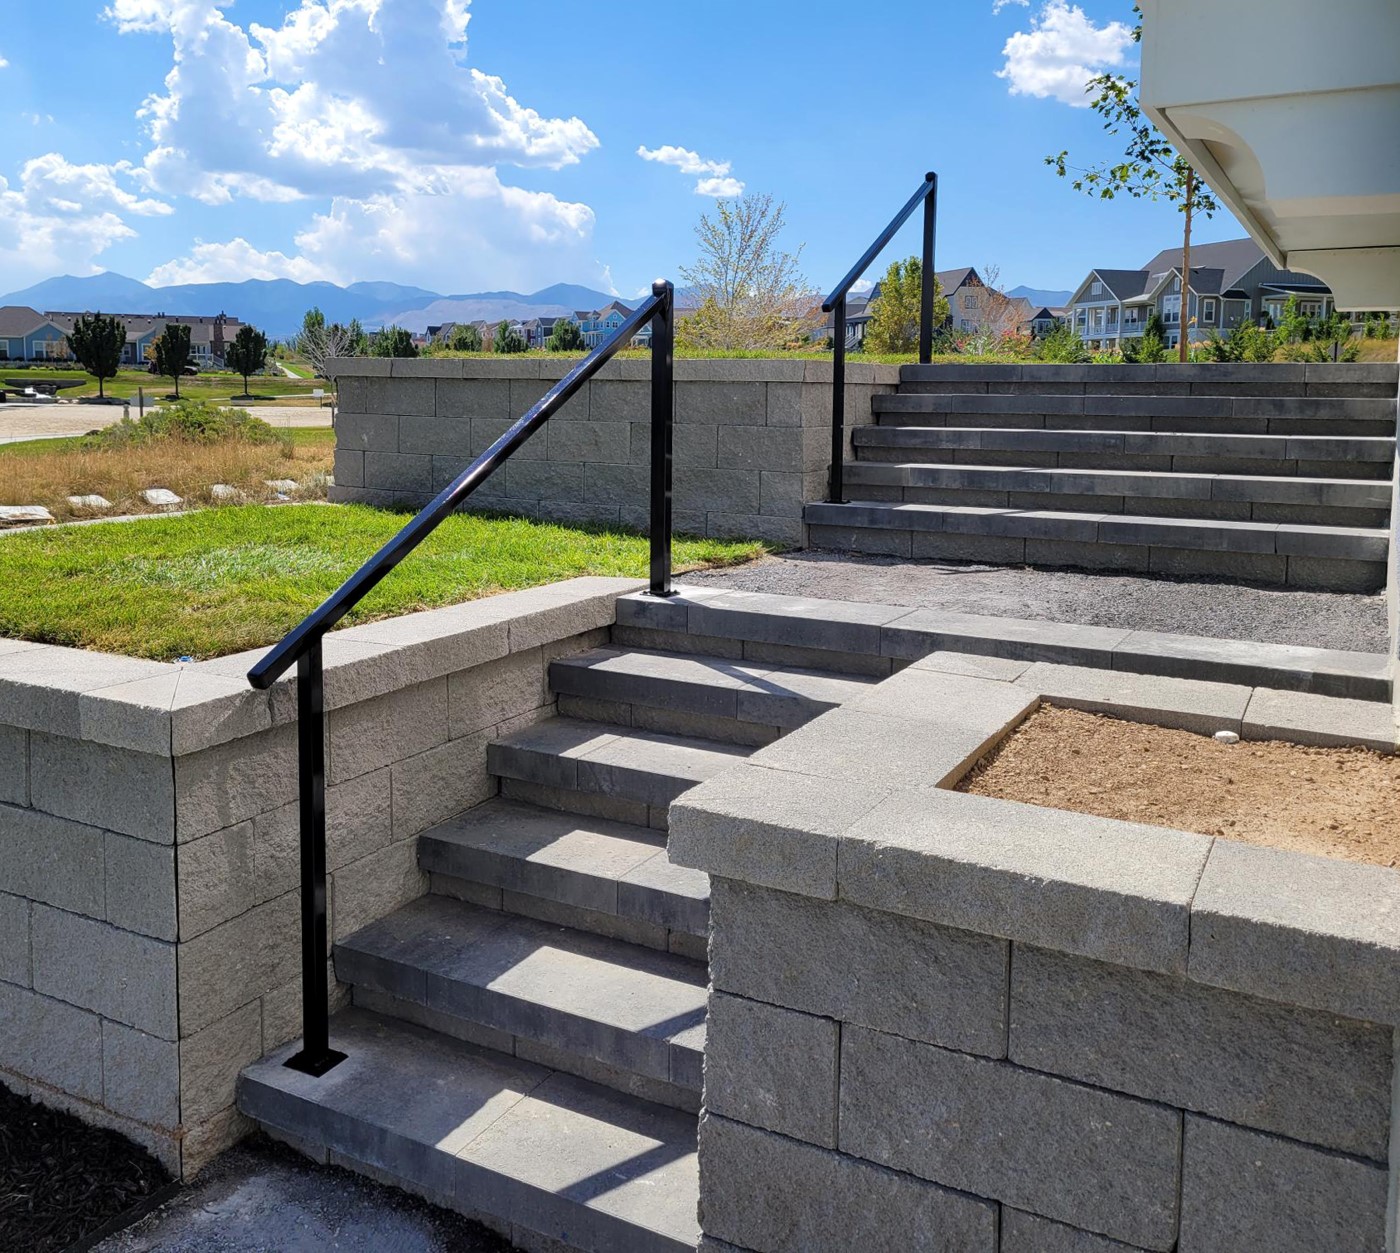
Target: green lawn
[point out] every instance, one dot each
(267, 388)
(221, 580)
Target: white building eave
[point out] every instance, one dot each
(1290, 111)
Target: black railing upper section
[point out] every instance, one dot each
(302, 647)
(927, 195)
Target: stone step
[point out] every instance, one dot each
(577, 762)
(714, 618)
(1312, 456)
(1353, 502)
(722, 699)
(1330, 558)
(1259, 415)
(541, 1155)
(579, 1002)
(597, 869)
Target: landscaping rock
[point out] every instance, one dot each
(24, 515)
(283, 486)
(223, 491)
(90, 502)
(161, 497)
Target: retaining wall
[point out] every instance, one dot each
(752, 439)
(942, 1021)
(149, 861)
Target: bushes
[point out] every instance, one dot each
(190, 421)
(1061, 345)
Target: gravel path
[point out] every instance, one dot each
(260, 1197)
(1220, 610)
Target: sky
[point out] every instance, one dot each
(467, 145)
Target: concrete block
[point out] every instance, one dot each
(803, 622)
(722, 403)
(421, 646)
(400, 395)
(486, 431)
(100, 967)
(1306, 718)
(1092, 1159)
(1189, 704)
(592, 442)
(1029, 1233)
(1241, 1189)
(1001, 669)
(211, 1059)
(443, 435)
(14, 940)
(224, 785)
(431, 786)
(109, 787)
(1309, 931)
(495, 692)
(615, 484)
(619, 400)
(14, 766)
(399, 472)
(349, 468)
(771, 1068)
(857, 965)
(826, 1202)
(140, 1075)
(1330, 574)
(784, 532)
(51, 860)
(366, 432)
(140, 890)
(558, 482)
(239, 961)
(218, 878)
(760, 448)
(176, 713)
(375, 886)
(52, 1042)
(716, 491)
(1307, 1075)
(915, 633)
(1111, 890)
(374, 733)
(769, 827)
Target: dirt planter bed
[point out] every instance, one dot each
(1335, 802)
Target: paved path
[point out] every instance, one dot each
(1220, 610)
(261, 1198)
(21, 422)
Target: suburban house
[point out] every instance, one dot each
(963, 288)
(1046, 319)
(28, 335)
(1231, 282)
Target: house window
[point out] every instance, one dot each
(1096, 289)
(1208, 311)
(1171, 309)
(1176, 284)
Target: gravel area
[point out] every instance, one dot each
(1138, 602)
(261, 1197)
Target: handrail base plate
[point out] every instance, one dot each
(314, 1064)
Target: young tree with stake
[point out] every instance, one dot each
(1151, 169)
(97, 342)
(171, 352)
(247, 354)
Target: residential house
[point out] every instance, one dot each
(28, 335)
(1231, 282)
(1046, 319)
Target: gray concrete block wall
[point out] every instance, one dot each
(149, 905)
(941, 1021)
(751, 439)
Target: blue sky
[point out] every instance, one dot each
(477, 144)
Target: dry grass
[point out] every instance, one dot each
(33, 474)
(1378, 350)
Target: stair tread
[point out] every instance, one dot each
(1031, 436)
(486, 1133)
(501, 970)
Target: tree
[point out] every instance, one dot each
(1152, 347)
(1151, 169)
(565, 337)
(894, 313)
(750, 291)
(320, 343)
(97, 342)
(358, 341)
(508, 339)
(465, 338)
(247, 354)
(171, 352)
(394, 341)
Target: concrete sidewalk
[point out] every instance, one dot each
(20, 422)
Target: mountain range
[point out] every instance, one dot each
(277, 306)
(1046, 296)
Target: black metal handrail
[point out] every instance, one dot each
(927, 195)
(302, 645)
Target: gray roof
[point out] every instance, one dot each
(1124, 284)
(18, 320)
(1233, 257)
(951, 280)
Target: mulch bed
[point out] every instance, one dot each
(62, 1180)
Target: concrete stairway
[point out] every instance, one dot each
(525, 1042)
(1107, 470)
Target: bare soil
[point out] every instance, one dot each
(1333, 802)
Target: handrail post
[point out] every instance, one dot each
(316, 1056)
(927, 289)
(836, 494)
(663, 409)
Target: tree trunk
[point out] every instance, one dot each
(1183, 346)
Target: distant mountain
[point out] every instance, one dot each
(1039, 296)
(277, 306)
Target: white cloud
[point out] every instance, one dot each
(52, 233)
(3, 63)
(232, 262)
(714, 180)
(1061, 52)
(999, 5)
